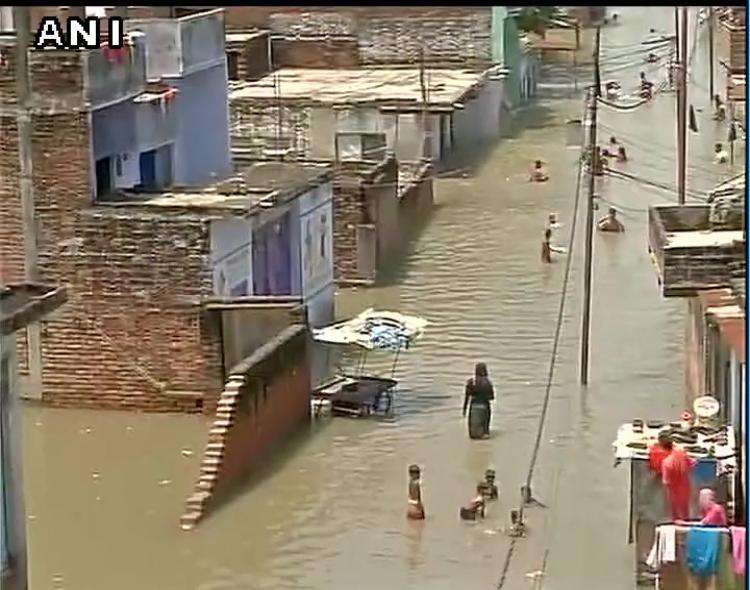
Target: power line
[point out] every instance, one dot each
(551, 372)
(649, 148)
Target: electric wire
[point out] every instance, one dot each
(551, 372)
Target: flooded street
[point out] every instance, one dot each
(105, 490)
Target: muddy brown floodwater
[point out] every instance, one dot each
(105, 490)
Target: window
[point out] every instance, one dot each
(322, 236)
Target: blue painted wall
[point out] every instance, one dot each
(202, 145)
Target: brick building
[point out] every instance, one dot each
(308, 109)
(474, 37)
(140, 263)
(248, 54)
(699, 252)
(385, 35)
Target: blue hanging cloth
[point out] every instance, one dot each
(702, 549)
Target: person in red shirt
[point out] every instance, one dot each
(659, 452)
(675, 474)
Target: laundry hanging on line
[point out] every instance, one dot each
(702, 549)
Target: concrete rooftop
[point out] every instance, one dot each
(243, 36)
(257, 186)
(360, 85)
(703, 239)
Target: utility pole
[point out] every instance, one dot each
(22, 23)
(593, 163)
(711, 53)
(683, 112)
(682, 36)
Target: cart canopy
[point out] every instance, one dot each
(382, 330)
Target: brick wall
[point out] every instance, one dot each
(11, 224)
(350, 210)
(133, 327)
(450, 35)
(132, 334)
(252, 56)
(737, 51)
(254, 127)
(254, 62)
(325, 52)
(262, 404)
(8, 94)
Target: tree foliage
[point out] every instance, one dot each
(535, 19)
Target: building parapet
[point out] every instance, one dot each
(395, 87)
(271, 386)
(179, 47)
(689, 251)
(254, 188)
(115, 74)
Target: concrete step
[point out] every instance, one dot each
(205, 485)
(189, 520)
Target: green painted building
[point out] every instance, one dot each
(521, 80)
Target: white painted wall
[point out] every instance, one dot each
(127, 173)
(6, 19)
(231, 256)
(316, 249)
(479, 120)
(322, 132)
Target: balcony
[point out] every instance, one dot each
(692, 252)
(179, 47)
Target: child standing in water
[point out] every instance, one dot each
(416, 508)
(475, 508)
(490, 488)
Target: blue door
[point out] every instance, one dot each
(148, 169)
